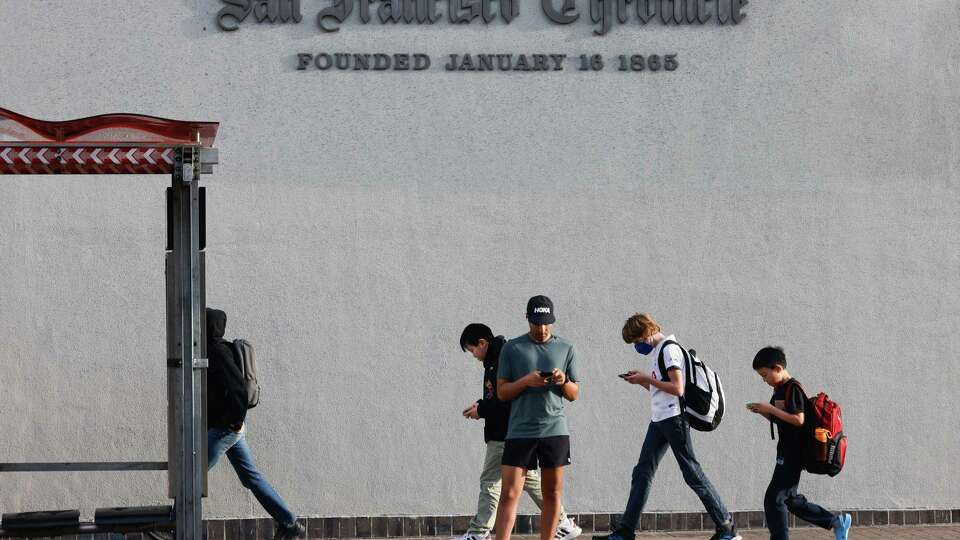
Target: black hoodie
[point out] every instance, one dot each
(495, 413)
(226, 392)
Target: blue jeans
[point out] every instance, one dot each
(675, 433)
(782, 497)
(234, 445)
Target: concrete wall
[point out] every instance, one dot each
(795, 182)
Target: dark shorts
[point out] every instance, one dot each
(548, 452)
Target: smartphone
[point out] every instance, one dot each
(546, 374)
(623, 375)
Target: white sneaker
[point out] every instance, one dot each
(567, 530)
(473, 536)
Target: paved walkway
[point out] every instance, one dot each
(857, 533)
(931, 532)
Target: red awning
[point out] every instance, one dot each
(105, 144)
(106, 129)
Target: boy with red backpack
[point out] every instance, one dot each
(798, 423)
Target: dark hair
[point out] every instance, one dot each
(769, 357)
(473, 333)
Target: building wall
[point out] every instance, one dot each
(795, 182)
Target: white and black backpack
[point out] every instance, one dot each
(702, 400)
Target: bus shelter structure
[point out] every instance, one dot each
(136, 144)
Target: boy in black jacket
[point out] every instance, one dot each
(226, 412)
(789, 415)
(479, 340)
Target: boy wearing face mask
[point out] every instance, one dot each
(668, 428)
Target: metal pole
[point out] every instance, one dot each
(185, 342)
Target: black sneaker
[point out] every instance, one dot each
(619, 534)
(297, 530)
(726, 532)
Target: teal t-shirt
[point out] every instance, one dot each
(537, 412)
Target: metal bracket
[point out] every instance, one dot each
(174, 363)
(186, 164)
(192, 161)
(201, 363)
(208, 158)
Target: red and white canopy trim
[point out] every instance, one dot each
(85, 160)
(106, 144)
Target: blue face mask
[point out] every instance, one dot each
(643, 348)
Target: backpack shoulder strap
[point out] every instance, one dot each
(794, 384)
(237, 347)
(791, 384)
(788, 392)
(661, 365)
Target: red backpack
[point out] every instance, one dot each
(825, 449)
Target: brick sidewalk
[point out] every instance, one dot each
(856, 533)
(933, 532)
(420, 528)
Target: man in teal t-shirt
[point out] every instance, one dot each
(537, 372)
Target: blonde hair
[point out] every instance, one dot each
(638, 327)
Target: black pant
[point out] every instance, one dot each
(782, 497)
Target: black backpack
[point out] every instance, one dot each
(247, 363)
(702, 400)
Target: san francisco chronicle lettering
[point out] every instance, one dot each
(604, 14)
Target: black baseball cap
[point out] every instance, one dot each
(540, 310)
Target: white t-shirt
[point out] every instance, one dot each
(664, 405)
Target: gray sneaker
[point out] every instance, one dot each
(297, 530)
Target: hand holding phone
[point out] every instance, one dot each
(546, 374)
(471, 412)
(535, 379)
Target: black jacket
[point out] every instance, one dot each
(495, 413)
(226, 392)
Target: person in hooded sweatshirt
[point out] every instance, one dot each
(479, 341)
(226, 412)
